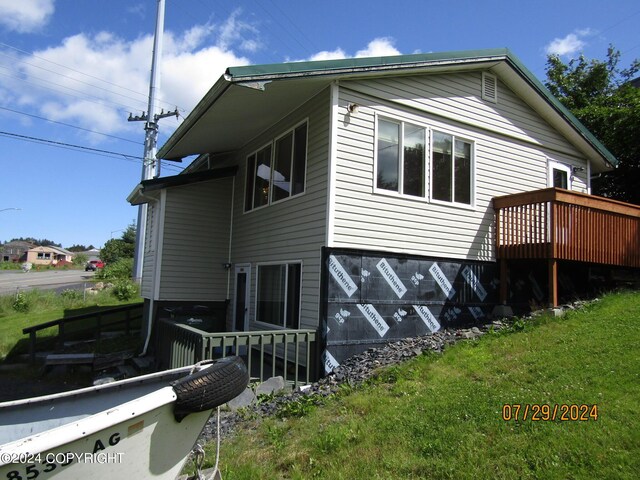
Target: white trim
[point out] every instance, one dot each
(272, 145)
(333, 162)
(588, 177)
(159, 233)
(271, 263)
(555, 165)
(425, 161)
(472, 173)
(247, 299)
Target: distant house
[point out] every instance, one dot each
(15, 251)
(93, 254)
(377, 198)
(49, 255)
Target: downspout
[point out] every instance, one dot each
(233, 191)
(155, 289)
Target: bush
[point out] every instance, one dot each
(80, 259)
(124, 290)
(119, 270)
(21, 303)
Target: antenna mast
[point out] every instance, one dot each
(150, 165)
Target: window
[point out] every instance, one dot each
(278, 170)
(44, 256)
(278, 293)
(400, 158)
(559, 175)
(451, 169)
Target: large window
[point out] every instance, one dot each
(451, 169)
(277, 171)
(278, 292)
(401, 158)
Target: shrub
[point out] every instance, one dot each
(121, 269)
(71, 295)
(124, 290)
(21, 303)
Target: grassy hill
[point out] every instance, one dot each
(455, 415)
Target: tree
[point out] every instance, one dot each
(600, 94)
(118, 248)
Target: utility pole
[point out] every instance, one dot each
(150, 165)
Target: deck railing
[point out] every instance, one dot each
(290, 353)
(563, 225)
(92, 324)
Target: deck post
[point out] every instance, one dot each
(504, 278)
(553, 282)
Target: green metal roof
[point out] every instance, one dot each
(366, 63)
(253, 75)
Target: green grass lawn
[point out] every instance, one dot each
(41, 307)
(441, 416)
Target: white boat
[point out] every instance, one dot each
(141, 427)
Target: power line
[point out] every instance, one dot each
(81, 73)
(70, 146)
(69, 125)
(92, 151)
(85, 97)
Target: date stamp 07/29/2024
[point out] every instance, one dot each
(564, 412)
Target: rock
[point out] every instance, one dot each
(272, 385)
(246, 398)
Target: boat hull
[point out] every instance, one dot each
(149, 435)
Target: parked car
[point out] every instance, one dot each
(93, 265)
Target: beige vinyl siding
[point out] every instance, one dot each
(293, 229)
(512, 147)
(196, 241)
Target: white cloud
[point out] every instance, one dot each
(94, 81)
(336, 54)
(570, 44)
(379, 47)
(25, 16)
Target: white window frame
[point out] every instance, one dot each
(469, 206)
(257, 289)
(272, 144)
(426, 163)
(555, 165)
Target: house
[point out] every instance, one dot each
(15, 251)
(362, 197)
(49, 255)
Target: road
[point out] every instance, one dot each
(12, 280)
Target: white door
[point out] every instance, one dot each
(241, 298)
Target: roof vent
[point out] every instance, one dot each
(489, 87)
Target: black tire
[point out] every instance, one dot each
(211, 387)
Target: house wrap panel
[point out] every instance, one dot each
(293, 229)
(196, 241)
(512, 148)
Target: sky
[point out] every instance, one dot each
(71, 72)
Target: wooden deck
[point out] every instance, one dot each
(555, 224)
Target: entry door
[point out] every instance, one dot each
(241, 302)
